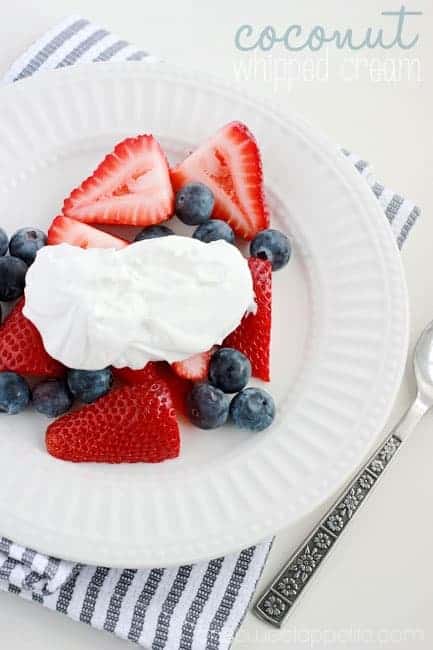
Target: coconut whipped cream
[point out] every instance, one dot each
(157, 299)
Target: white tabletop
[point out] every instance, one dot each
(377, 587)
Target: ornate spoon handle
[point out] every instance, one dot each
(277, 601)
(275, 604)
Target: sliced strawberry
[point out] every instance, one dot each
(145, 375)
(131, 186)
(253, 335)
(69, 231)
(21, 347)
(132, 424)
(156, 371)
(229, 164)
(194, 368)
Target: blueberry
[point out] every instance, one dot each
(213, 230)
(271, 245)
(194, 203)
(208, 407)
(229, 370)
(252, 409)
(12, 278)
(14, 393)
(153, 232)
(52, 398)
(4, 242)
(88, 385)
(26, 242)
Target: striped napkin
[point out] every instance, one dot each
(197, 607)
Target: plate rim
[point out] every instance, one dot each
(30, 536)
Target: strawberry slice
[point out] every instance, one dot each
(229, 164)
(146, 375)
(132, 424)
(194, 368)
(66, 230)
(156, 371)
(131, 186)
(253, 335)
(21, 347)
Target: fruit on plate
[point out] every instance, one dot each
(229, 164)
(4, 242)
(89, 385)
(12, 278)
(21, 347)
(253, 335)
(194, 368)
(154, 372)
(26, 242)
(194, 203)
(271, 245)
(131, 186)
(153, 232)
(208, 406)
(252, 409)
(69, 231)
(229, 370)
(214, 229)
(131, 424)
(14, 393)
(52, 397)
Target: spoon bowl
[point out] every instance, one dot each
(423, 364)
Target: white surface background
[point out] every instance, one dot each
(376, 589)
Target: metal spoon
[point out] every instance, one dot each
(279, 598)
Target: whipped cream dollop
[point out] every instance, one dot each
(157, 299)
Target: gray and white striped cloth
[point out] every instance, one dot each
(197, 607)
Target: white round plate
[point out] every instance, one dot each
(339, 338)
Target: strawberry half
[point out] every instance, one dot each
(156, 371)
(194, 368)
(132, 424)
(145, 375)
(229, 164)
(131, 186)
(253, 335)
(66, 230)
(21, 347)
